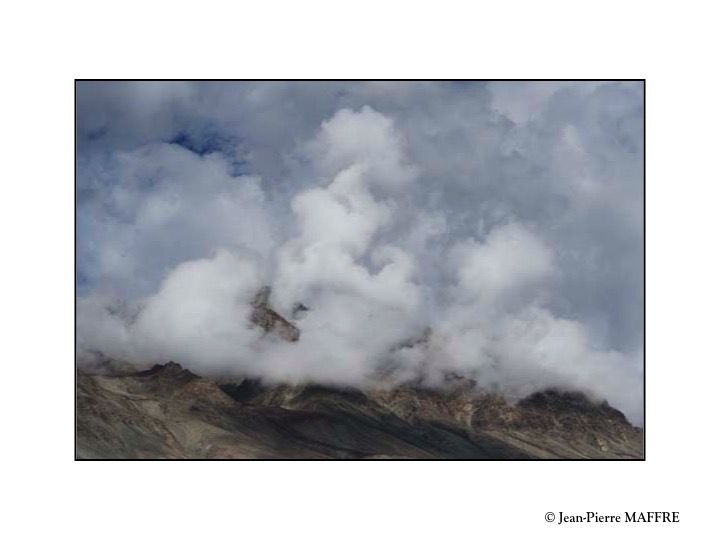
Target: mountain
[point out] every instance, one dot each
(167, 412)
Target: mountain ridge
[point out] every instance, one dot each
(168, 412)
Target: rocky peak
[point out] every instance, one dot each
(264, 316)
(170, 370)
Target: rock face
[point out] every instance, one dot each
(168, 412)
(270, 320)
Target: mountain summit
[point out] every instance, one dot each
(264, 316)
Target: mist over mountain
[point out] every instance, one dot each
(402, 233)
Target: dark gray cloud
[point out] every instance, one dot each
(506, 215)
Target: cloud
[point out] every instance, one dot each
(365, 138)
(513, 229)
(510, 259)
(164, 205)
(200, 315)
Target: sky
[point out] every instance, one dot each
(507, 217)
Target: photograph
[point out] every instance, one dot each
(339, 271)
(359, 269)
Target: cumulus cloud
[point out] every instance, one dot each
(511, 229)
(509, 259)
(160, 204)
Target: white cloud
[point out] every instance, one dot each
(167, 205)
(200, 315)
(367, 137)
(519, 243)
(510, 259)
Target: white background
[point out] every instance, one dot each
(46, 45)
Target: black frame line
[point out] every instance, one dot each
(644, 428)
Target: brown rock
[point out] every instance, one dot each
(270, 320)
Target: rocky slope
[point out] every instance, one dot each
(168, 412)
